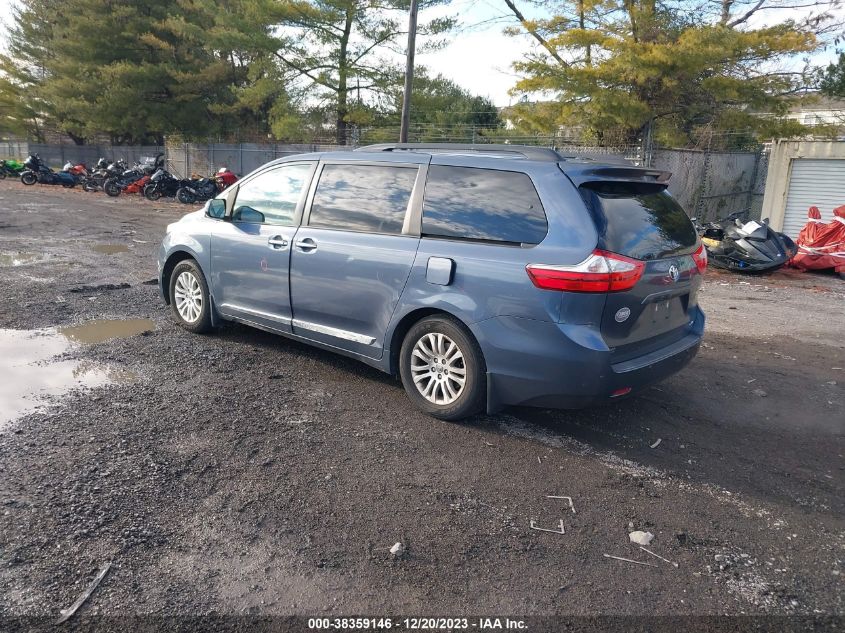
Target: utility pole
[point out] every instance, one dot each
(409, 73)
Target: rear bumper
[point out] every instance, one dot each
(544, 364)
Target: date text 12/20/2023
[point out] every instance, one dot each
(417, 624)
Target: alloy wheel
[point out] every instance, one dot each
(438, 368)
(188, 295)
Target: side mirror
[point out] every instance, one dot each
(215, 209)
(248, 215)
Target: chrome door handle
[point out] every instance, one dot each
(277, 242)
(306, 244)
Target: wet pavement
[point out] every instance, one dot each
(39, 366)
(242, 473)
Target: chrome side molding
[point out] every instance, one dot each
(336, 332)
(264, 315)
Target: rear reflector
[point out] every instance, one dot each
(700, 258)
(602, 271)
(621, 392)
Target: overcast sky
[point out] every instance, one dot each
(479, 56)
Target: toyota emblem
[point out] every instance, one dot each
(674, 273)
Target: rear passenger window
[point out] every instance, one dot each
(370, 198)
(482, 204)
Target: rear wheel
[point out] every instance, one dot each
(189, 297)
(111, 188)
(29, 178)
(184, 196)
(442, 368)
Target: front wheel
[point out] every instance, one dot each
(442, 368)
(111, 188)
(189, 297)
(29, 178)
(152, 192)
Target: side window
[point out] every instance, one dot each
(482, 204)
(371, 198)
(271, 197)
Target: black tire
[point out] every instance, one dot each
(89, 186)
(68, 185)
(2, 174)
(111, 188)
(152, 192)
(184, 196)
(471, 399)
(29, 178)
(202, 323)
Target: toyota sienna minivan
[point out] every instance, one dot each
(482, 276)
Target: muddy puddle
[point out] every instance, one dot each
(110, 249)
(101, 330)
(36, 369)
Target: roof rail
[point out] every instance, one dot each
(526, 151)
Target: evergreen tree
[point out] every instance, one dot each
(660, 66)
(440, 111)
(347, 50)
(137, 71)
(832, 83)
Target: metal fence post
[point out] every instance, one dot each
(705, 177)
(753, 185)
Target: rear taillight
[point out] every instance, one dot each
(700, 258)
(602, 271)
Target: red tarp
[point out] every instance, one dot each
(822, 245)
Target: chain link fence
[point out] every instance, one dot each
(709, 184)
(56, 155)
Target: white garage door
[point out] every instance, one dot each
(814, 182)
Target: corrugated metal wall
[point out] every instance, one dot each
(818, 182)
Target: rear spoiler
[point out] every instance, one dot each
(585, 173)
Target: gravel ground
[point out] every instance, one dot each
(244, 473)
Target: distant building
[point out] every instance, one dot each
(820, 111)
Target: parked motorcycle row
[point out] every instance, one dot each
(751, 246)
(147, 178)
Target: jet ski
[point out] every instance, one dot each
(745, 246)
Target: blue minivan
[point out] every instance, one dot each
(481, 275)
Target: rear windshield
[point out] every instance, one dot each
(639, 221)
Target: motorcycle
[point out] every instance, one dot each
(10, 167)
(113, 186)
(199, 190)
(103, 172)
(164, 184)
(133, 180)
(78, 171)
(734, 244)
(36, 171)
